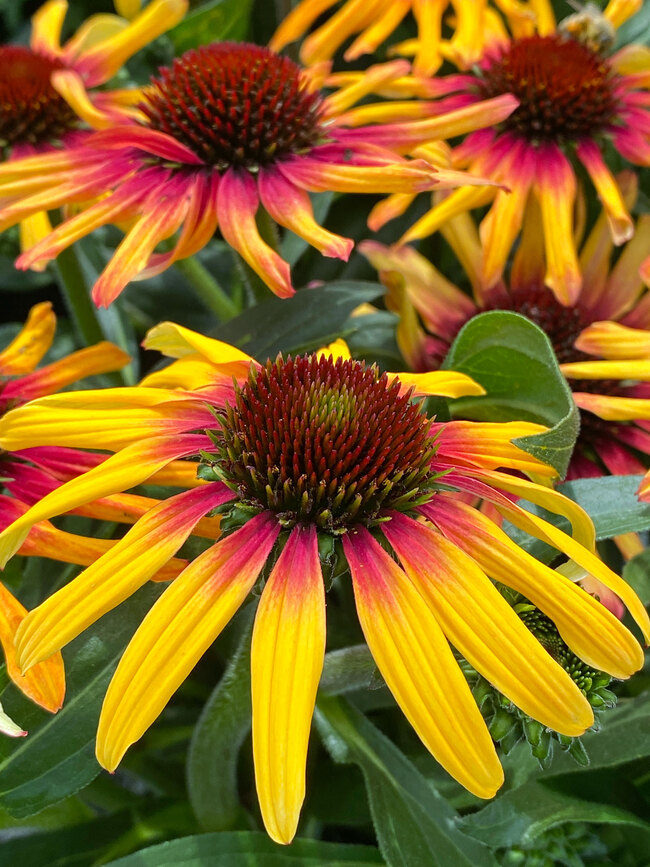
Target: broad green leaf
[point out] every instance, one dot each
(637, 575)
(312, 318)
(248, 849)
(218, 736)
(214, 21)
(514, 361)
(74, 846)
(519, 816)
(414, 824)
(58, 757)
(566, 792)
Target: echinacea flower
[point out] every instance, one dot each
(226, 128)
(601, 340)
(576, 99)
(321, 450)
(49, 92)
(375, 20)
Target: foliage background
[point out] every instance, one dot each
(185, 793)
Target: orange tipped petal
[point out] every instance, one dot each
(45, 683)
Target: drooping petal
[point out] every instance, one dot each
(419, 667)
(107, 419)
(47, 23)
(638, 369)
(502, 224)
(45, 683)
(483, 627)
(236, 209)
(591, 631)
(31, 343)
(104, 59)
(620, 222)
(574, 548)
(287, 655)
(130, 467)
(290, 206)
(556, 191)
(176, 633)
(129, 564)
(487, 445)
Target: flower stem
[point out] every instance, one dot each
(207, 288)
(77, 298)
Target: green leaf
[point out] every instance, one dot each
(214, 21)
(312, 318)
(218, 736)
(515, 363)
(75, 846)
(567, 792)
(248, 849)
(414, 824)
(637, 575)
(519, 816)
(58, 757)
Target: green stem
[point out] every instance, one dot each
(207, 288)
(77, 298)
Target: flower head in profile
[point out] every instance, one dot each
(226, 128)
(601, 340)
(576, 99)
(312, 455)
(50, 93)
(375, 20)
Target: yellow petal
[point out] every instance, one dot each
(446, 383)
(45, 683)
(111, 579)
(576, 551)
(287, 655)
(417, 663)
(485, 630)
(592, 632)
(177, 342)
(31, 343)
(130, 467)
(176, 633)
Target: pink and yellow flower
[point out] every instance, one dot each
(602, 340)
(574, 100)
(50, 92)
(375, 20)
(320, 447)
(226, 128)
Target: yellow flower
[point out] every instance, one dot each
(320, 448)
